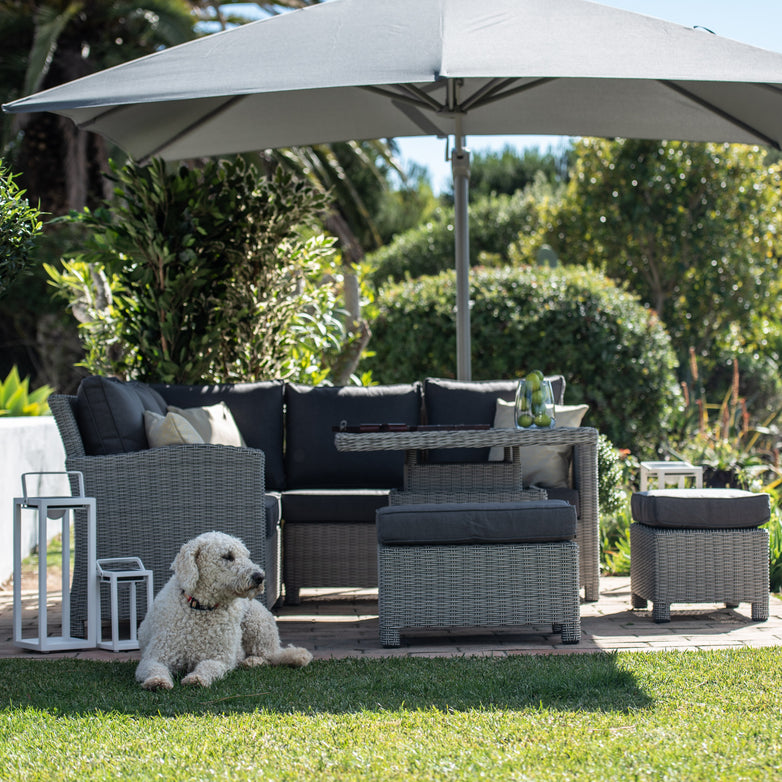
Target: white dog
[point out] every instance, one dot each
(204, 621)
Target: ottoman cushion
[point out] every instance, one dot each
(542, 521)
(700, 508)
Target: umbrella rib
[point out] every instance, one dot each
(489, 89)
(408, 94)
(495, 94)
(224, 106)
(419, 119)
(722, 113)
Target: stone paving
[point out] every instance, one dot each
(342, 623)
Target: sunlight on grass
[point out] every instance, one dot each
(666, 715)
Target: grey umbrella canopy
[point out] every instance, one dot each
(362, 69)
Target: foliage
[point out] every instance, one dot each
(17, 400)
(615, 542)
(507, 171)
(495, 221)
(20, 224)
(691, 228)
(90, 294)
(610, 496)
(354, 173)
(407, 206)
(723, 438)
(617, 476)
(699, 716)
(614, 353)
(774, 527)
(48, 42)
(208, 270)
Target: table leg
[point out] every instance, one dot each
(585, 458)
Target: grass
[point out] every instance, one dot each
(622, 716)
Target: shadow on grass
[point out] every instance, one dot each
(583, 682)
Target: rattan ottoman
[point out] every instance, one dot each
(699, 546)
(478, 564)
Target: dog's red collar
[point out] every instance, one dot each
(197, 605)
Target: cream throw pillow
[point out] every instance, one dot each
(171, 429)
(542, 465)
(214, 423)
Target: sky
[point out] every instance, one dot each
(756, 22)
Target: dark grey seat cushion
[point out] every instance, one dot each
(329, 505)
(110, 414)
(469, 523)
(257, 409)
(471, 402)
(700, 508)
(311, 458)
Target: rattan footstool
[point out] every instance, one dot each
(443, 566)
(699, 546)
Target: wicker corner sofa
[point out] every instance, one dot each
(305, 510)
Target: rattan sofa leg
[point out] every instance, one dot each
(390, 637)
(661, 612)
(760, 609)
(637, 601)
(571, 633)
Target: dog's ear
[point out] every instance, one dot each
(185, 566)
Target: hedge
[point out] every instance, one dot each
(615, 353)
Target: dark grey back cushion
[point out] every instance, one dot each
(110, 414)
(311, 458)
(257, 409)
(471, 402)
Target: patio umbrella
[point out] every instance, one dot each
(362, 69)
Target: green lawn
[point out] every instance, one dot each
(635, 716)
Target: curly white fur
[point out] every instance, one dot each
(205, 622)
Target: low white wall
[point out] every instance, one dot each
(27, 444)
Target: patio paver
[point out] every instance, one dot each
(340, 623)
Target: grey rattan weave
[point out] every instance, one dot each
(441, 587)
(467, 476)
(699, 566)
(150, 502)
(329, 554)
(438, 496)
(582, 439)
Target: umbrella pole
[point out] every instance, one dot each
(460, 166)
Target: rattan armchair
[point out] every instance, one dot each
(150, 502)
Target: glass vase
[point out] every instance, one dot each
(535, 404)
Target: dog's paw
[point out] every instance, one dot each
(157, 683)
(253, 661)
(196, 680)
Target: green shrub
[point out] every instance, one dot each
(615, 354)
(610, 495)
(20, 224)
(202, 275)
(495, 222)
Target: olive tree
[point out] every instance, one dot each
(206, 275)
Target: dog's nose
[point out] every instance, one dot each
(257, 577)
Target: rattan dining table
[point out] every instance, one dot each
(495, 477)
